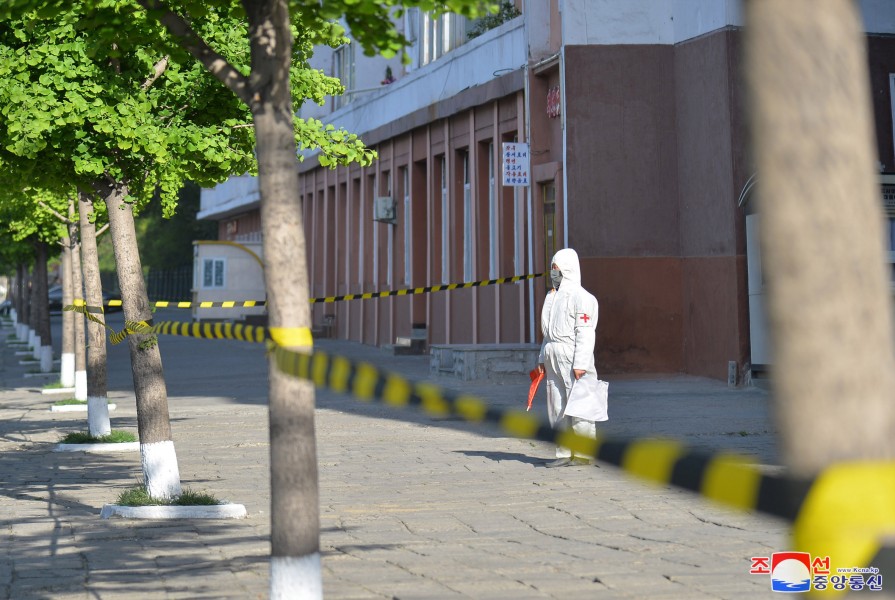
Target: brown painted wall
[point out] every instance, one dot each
(623, 200)
(621, 150)
(656, 157)
(639, 329)
(710, 175)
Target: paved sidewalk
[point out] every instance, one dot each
(411, 507)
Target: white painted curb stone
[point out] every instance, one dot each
(120, 447)
(217, 511)
(62, 390)
(77, 408)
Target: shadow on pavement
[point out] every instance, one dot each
(504, 456)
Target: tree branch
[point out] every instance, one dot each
(216, 64)
(102, 230)
(157, 71)
(54, 212)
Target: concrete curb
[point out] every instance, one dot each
(219, 511)
(64, 390)
(77, 408)
(48, 374)
(120, 447)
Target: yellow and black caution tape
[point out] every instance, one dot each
(215, 331)
(90, 312)
(345, 297)
(730, 479)
(847, 512)
(427, 289)
(184, 304)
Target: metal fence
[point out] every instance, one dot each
(170, 284)
(161, 284)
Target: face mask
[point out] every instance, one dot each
(555, 277)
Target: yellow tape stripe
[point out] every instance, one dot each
(292, 337)
(849, 509)
(652, 459)
(732, 480)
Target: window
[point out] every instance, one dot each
(343, 68)
(390, 240)
(492, 216)
(467, 220)
(548, 194)
(440, 35)
(892, 102)
(888, 185)
(891, 236)
(213, 273)
(445, 222)
(359, 230)
(408, 221)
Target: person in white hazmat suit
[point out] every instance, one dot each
(569, 325)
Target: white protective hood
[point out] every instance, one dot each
(567, 261)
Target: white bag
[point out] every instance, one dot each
(588, 399)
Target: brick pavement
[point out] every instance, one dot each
(411, 507)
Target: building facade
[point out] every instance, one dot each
(633, 113)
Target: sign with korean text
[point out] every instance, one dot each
(516, 164)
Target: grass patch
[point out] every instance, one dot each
(138, 496)
(116, 437)
(70, 402)
(53, 386)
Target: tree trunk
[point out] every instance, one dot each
(97, 394)
(67, 360)
(44, 351)
(295, 521)
(159, 460)
(21, 303)
(78, 287)
(33, 341)
(822, 232)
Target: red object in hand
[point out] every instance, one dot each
(536, 376)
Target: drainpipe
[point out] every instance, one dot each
(565, 170)
(528, 196)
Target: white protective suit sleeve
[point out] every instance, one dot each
(586, 314)
(545, 321)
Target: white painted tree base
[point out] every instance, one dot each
(80, 385)
(296, 577)
(46, 358)
(98, 423)
(67, 370)
(98, 448)
(75, 408)
(218, 511)
(62, 390)
(161, 474)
